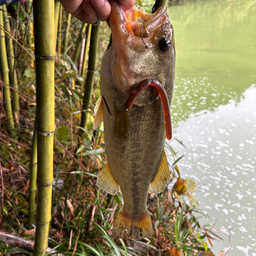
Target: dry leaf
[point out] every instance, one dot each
(173, 252)
(208, 253)
(30, 232)
(179, 186)
(190, 185)
(224, 253)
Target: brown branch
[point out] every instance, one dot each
(2, 185)
(71, 155)
(18, 143)
(15, 241)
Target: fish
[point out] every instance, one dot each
(137, 80)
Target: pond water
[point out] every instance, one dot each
(214, 113)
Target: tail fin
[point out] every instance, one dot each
(137, 227)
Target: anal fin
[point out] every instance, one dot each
(106, 181)
(98, 111)
(135, 227)
(162, 177)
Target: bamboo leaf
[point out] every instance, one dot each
(61, 134)
(5, 210)
(178, 225)
(93, 152)
(30, 72)
(80, 149)
(116, 197)
(177, 160)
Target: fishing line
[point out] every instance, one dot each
(106, 104)
(142, 35)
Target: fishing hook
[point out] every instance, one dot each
(142, 35)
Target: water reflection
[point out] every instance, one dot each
(214, 112)
(216, 53)
(220, 155)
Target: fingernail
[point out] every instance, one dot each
(98, 3)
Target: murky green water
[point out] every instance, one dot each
(214, 113)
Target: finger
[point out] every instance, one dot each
(103, 9)
(87, 13)
(71, 6)
(127, 4)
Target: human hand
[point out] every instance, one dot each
(89, 11)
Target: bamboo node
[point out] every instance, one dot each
(11, 57)
(92, 71)
(1, 35)
(7, 101)
(45, 57)
(46, 133)
(33, 163)
(6, 71)
(43, 223)
(45, 185)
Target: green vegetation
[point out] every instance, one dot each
(81, 216)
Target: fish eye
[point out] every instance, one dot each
(164, 44)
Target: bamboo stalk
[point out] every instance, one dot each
(30, 30)
(12, 74)
(158, 4)
(56, 16)
(78, 42)
(32, 185)
(5, 77)
(68, 18)
(91, 71)
(60, 29)
(86, 50)
(45, 55)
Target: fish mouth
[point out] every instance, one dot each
(135, 24)
(135, 33)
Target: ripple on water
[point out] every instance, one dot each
(227, 171)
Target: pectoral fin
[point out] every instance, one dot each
(162, 177)
(98, 111)
(107, 182)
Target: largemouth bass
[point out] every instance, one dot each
(142, 54)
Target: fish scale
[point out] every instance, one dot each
(134, 139)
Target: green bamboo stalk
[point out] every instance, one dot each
(5, 76)
(86, 50)
(91, 71)
(60, 30)
(158, 4)
(30, 30)
(68, 19)
(32, 185)
(78, 42)
(45, 55)
(56, 16)
(12, 74)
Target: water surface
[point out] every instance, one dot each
(214, 113)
